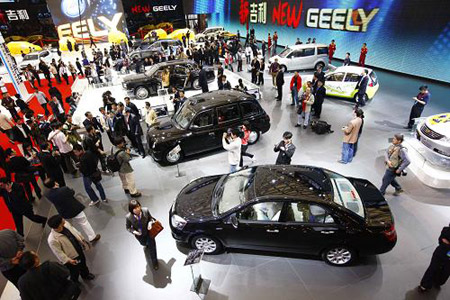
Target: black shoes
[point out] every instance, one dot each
(156, 266)
(136, 195)
(126, 191)
(89, 277)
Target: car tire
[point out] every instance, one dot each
(319, 64)
(366, 98)
(207, 243)
(196, 84)
(283, 68)
(141, 92)
(201, 40)
(339, 256)
(171, 158)
(254, 137)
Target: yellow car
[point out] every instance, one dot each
(63, 43)
(160, 33)
(16, 47)
(117, 37)
(178, 34)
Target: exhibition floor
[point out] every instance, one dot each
(119, 263)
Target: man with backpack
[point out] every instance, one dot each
(396, 160)
(120, 162)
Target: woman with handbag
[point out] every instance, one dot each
(144, 227)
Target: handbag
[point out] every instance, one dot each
(156, 229)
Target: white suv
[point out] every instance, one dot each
(302, 57)
(207, 33)
(34, 59)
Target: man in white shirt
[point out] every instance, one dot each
(42, 99)
(232, 143)
(59, 139)
(64, 73)
(6, 126)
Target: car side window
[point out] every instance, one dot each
(45, 54)
(228, 113)
(180, 70)
(336, 77)
(265, 211)
(322, 50)
(164, 45)
(302, 212)
(249, 109)
(308, 52)
(352, 77)
(204, 119)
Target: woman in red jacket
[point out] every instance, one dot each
(296, 84)
(331, 50)
(244, 146)
(362, 56)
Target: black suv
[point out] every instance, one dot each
(147, 84)
(298, 209)
(199, 124)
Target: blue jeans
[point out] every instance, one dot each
(389, 178)
(347, 152)
(233, 168)
(295, 96)
(90, 191)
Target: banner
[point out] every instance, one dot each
(407, 36)
(143, 12)
(85, 18)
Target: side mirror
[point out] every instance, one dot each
(234, 221)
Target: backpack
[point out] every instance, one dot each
(112, 162)
(321, 127)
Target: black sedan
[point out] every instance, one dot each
(183, 75)
(298, 209)
(198, 126)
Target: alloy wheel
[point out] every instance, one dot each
(141, 93)
(339, 256)
(206, 244)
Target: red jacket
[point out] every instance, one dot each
(299, 82)
(364, 51)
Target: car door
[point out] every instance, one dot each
(228, 116)
(45, 56)
(178, 76)
(257, 227)
(309, 228)
(333, 84)
(308, 58)
(294, 59)
(202, 135)
(350, 82)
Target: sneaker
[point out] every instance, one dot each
(92, 203)
(398, 192)
(342, 162)
(136, 195)
(97, 237)
(105, 200)
(298, 125)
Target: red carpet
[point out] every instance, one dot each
(6, 220)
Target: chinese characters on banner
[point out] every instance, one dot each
(255, 13)
(17, 15)
(283, 13)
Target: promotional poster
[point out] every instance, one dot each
(403, 36)
(85, 18)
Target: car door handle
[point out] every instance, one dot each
(212, 134)
(273, 231)
(327, 232)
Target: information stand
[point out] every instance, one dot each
(199, 285)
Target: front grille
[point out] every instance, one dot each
(430, 133)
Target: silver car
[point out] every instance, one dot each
(34, 58)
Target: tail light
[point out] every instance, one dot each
(390, 234)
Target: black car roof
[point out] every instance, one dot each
(216, 98)
(292, 181)
(175, 62)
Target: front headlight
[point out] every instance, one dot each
(178, 222)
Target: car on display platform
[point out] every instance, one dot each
(161, 45)
(296, 209)
(343, 81)
(183, 75)
(34, 58)
(199, 124)
(208, 33)
(434, 133)
(302, 57)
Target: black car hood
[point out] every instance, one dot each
(195, 200)
(377, 209)
(165, 129)
(135, 77)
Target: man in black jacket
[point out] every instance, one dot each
(224, 84)
(203, 80)
(14, 196)
(92, 142)
(21, 132)
(54, 92)
(11, 249)
(91, 174)
(280, 82)
(319, 75)
(24, 173)
(362, 87)
(285, 148)
(319, 97)
(79, 67)
(133, 107)
(255, 69)
(92, 121)
(51, 164)
(68, 207)
(45, 69)
(134, 131)
(48, 280)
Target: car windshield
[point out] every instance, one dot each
(31, 57)
(184, 116)
(233, 190)
(285, 52)
(345, 193)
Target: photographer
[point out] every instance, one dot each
(286, 149)
(232, 143)
(126, 173)
(245, 135)
(396, 160)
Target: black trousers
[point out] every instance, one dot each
(14, 114)
(58, 176)
(44, 106)
(150, 248)
(47, 76)
(280, 92)
(239, 68)
(244, 153)
(416, 112)
(69, 160)
(27, 183)
(439, 269)
(317, 108)
(360, 100)
(261, 78)
(79, 269)
(14, 274)
(18, 220)
(66, 78)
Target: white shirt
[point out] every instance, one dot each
(59, 140)
(234, 150)
(40, 97)
(5, 122)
